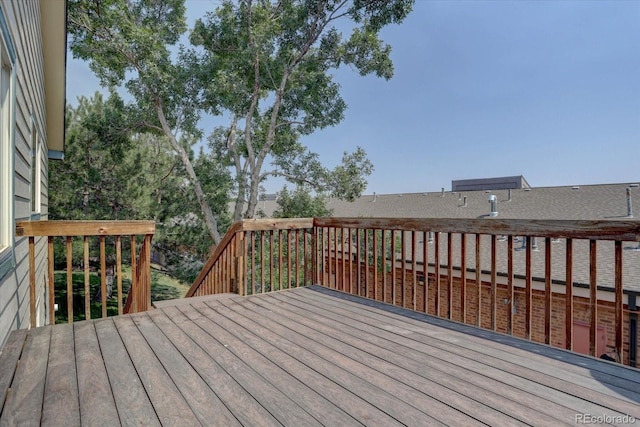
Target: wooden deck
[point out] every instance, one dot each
(301, 357)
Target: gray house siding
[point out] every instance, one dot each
(23, 22)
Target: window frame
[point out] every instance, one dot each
(7, 146)
(36, 171)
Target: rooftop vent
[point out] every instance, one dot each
(493, 201)
(575, 187)
(629, 205)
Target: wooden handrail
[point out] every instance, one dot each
(624, 230)
(138, 298)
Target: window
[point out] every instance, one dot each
(7, 124)
(36, 159)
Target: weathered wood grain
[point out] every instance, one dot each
(24, 401)
(9, 358)
(130, 396)
(170, 405)
(60, 406)
(83, 228)
(97, 406)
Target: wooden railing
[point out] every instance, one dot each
(118, 233)
(257, 256)
(510, 276)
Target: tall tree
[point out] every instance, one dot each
(271, 64)
(128, 41)
(266, 63)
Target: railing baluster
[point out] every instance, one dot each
(262, 275)
(87, 288)
(527, 292)
(134, 277)
(510, 290)
(343, 255)
(271, 261)
(358, 262)
(384, 265)
(305, 255)
(69, 281)
(450, 275)
(479, 279)
(350, 261)
(393, 268)
(436, 254)
(593, 297)
(375, 264)
(289, 281)
(280, 271)
(366, 263)
(494, 282)
(619, 327)
(403, 256)
(103, 274)
(297, 258)
(119, 271)
(32, 281)
(414, 287)
(52, 290)
(548, 294)
(463, 277)
(253, 263)
(568, 326)
(425, 270)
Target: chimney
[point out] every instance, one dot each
(374, 196)
(442, 191)
(493, 200)
(629, 205)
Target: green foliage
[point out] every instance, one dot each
(270, 68)
(268, 65)
(300, 204)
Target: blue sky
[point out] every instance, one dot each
(548, 90)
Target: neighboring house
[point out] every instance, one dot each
(32, 112)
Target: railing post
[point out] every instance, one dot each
(32, 281)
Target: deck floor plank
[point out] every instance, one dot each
(246, 408)
(526, 392)
(285, 408)
(97, 406)
(169, 404)
(132, 402)
(61, 406)
(24, 401)
(307, 408)
(335, 384)
(453, 389)
(495, 353)
(334, 364)
(299, 357)
(9, 358)
(198, 395)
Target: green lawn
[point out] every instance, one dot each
(163, 287)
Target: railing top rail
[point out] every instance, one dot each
(621, 230)
(276, 224)
(84, 228)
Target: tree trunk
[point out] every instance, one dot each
(209, 219)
